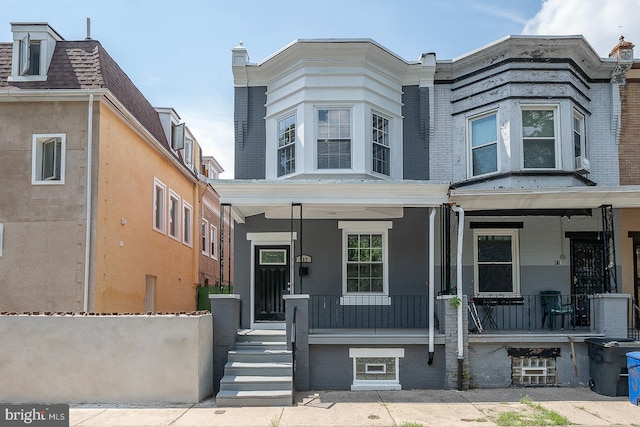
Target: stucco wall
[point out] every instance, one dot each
(127, 246)
(106, 359)
(42, 262)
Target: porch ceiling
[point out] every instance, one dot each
(321, 199)
(547, 198)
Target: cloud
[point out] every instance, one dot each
(507, 14)
(601, 22)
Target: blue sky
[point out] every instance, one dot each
(179, 53)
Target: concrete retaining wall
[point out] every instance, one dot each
(106, 359)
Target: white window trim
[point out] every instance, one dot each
(556, 130)
(204, 225)
(515, 259)
(360, 385)
(316, 109)
(188, 151)
(1, 238)
(213, 241)
(36, 158)
(16, 61)
(187, 237)
(173, 195)
(163, 209)
(470, 148)
(362, 298)
(583, 140)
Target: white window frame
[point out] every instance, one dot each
(386, 146)
(213, 241)
(556, 130)
(364, 227)
(22, 55)
(37, 157)
(173, 196)
(188, 151)
(317, 135)
(376, 353)
(177, 136)
(471, 148)
(581, 133)
(515, 260)
(204, 237)
(1, 238)
(187, 224)
(159, 209)
(290, 144)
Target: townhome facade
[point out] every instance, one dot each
(100, 196)
(353, 165)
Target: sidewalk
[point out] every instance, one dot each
(413, 408)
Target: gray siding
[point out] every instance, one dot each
(332, 368)
(250, 132)
(415, 110)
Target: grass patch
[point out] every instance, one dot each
(411, 424)
(535, 416)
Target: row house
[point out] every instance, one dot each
(102, 193)
(429, 223)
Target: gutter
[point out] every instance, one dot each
(432, 217)
(87, 242)
(460, 212)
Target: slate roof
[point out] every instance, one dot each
(86, 64)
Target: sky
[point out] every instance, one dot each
(178, 53)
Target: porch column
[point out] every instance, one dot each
(299, 304)
(610, 314)
(225, 310)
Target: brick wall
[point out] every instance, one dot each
(629, 147)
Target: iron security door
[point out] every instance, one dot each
(271, 282)
(587, 272)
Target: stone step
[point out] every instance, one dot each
(254, 398)
(260, 355)
(261, 345)
(261, 335)
(260, 369)
(256, 382)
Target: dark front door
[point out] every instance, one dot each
(271, 282)
(587, 273)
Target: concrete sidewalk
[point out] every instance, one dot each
(581, 406)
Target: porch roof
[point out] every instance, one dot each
(338, 199)
(627, 196)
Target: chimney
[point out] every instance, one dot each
(623, 51)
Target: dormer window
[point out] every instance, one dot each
(33, 47)
(177, 137)
(29, 57)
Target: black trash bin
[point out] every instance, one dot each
(608, 364)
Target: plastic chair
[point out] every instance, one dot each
(552, 306)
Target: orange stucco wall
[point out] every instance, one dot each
(127, 246)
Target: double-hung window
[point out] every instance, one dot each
(48, 161)
(214, 242)
(496, 262)
(187, 220)
(204, 236)
(365, 265)
(380, 140)
(334, 138)
(159, 191)
(539, 144)
(580, 143)
(483, 137)
(287, 145)
(174, 215)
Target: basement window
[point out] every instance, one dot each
(376, 368)
(534, 371)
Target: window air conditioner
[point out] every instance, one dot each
(582, 165)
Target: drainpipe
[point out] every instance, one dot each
(87, 239)
(460, 212)
(432, 217)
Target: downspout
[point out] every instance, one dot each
(460, 212)
(432, 218)
(87, 237)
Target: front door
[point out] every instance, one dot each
(271, 282)
(587, 272)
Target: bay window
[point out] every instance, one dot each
(334, 138)
(483, 138)
(539, 138)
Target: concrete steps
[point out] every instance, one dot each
(259, 372)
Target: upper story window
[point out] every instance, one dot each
(48, 158)
(204, 236)
(380, 140)
(334, 138)
(214, 242)
(177, 136)
(287, 145)
(159, 194)
(580, 143)
(496, 265)
(29, 57)
(187, 220)
(188, 152)
(174, 215)
(539, 142)
(483, 140)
